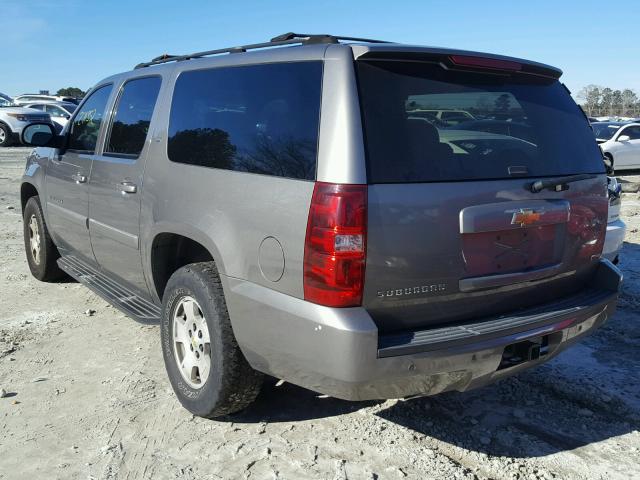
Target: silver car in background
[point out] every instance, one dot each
(13, 119)
(616, 228)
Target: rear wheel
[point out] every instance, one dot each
(5, 136)
(42, 254)
(206, 368)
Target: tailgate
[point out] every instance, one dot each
(439, 254)
(455, 229)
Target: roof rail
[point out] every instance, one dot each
(289, 38)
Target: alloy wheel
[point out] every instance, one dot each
(191, 342)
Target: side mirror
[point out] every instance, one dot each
(624, 138)
(39, 135)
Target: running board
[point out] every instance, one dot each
(120, 297)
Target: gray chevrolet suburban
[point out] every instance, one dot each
(294, 208)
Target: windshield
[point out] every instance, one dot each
(424, 123)
(604, 131)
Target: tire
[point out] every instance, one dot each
(5, 136)
(43, 264)
(194, 291)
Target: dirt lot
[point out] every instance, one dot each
(88, 398)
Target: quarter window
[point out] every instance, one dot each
(257, 119)
(86, 124)
(55, 111)
(132, 117)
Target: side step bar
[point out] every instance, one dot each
(120, 297)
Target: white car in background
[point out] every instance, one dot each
(27, 98)
(620, 143)
(616, 228)
(60, 112)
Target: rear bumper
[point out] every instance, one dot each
(614, 239)
(339, 352)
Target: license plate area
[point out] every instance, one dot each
(515, 250)
(526, 351)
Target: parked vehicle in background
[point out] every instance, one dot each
(616, 228)
(5, 99)
(60, 112)
(35, 97)
(620, 143)
(449, 117)
(14, 119)
(511, 129)
(377, 256)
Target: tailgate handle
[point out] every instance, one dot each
(493, 281)
(79, 178)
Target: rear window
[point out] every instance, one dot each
(427, 124)
(258, 119)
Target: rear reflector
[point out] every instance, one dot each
(482, 62)
(335, 245)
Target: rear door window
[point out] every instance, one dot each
(258, 119)
(490, 127)
(132, 117)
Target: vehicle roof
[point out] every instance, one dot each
(53, 102)
(301, 50)
(20, 109)
(619, 124)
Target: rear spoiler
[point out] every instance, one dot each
(455, 59)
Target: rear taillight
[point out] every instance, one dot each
(335, 245)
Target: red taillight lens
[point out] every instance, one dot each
(334, 250)
(483, 62)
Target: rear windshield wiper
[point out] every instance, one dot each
(558, 183)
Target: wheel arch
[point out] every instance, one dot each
(27, 190)
(170, 251)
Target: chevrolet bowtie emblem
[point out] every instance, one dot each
(524, 217)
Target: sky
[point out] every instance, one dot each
(50, 44)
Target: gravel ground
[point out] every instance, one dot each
(87, 397)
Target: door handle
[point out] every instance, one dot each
(78, 178)
(128, 187)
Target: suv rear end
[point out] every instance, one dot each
(437, 257)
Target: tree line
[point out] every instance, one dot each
(71, 92)
(600, 101)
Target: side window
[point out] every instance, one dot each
(55, 111)
(633, 132)
(86, 124)
(258, 119)
(132, 116)
(37, 107)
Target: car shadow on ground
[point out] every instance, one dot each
(496, 420)
(552, 408)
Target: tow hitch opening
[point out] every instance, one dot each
(525, 351)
